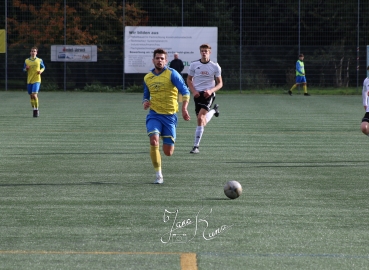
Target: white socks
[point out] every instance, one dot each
(198, 134)
(200, 129)
(209, 115)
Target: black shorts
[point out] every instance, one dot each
(203, 103)
(366, 117)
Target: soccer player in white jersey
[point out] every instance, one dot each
(365, 93)
(204, 79)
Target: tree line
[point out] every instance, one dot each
(257, 41)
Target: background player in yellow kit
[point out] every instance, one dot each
(34, 66)
(300, 76)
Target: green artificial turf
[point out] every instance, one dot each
(76, 186)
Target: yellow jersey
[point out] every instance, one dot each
(35, 65)
(161, 90)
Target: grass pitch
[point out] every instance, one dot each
(76, 186)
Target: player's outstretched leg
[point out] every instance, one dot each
(216, 109)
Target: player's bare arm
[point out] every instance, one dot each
(219, 84)
(185, 114)
(192, 88)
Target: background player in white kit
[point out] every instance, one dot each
(204, 79)
(365, 120)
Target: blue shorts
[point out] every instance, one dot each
(163, 125)
(300, 79)
(33, 88)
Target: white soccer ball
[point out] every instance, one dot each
(233, 189)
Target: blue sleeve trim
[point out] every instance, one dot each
(146, 95)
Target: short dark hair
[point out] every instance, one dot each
(205, 46)
(160, 51)
(301, 55)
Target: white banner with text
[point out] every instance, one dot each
(74, 53)
(141, 41)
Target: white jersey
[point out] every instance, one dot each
(203, 74)
(365, 93)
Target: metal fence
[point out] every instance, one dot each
(258, 42)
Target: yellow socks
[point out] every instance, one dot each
(305, 89)
(155, 157)
(34, 103)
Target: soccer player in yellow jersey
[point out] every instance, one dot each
(300, 76)
(161, 87)
(34, 66)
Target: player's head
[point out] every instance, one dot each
(205, 47)
(160, 58)
(34, 51)
(301, 55)
(205, 50)
(160, 51)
